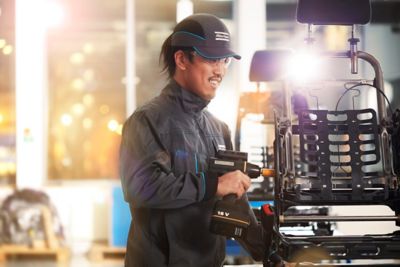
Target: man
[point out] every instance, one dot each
(164, 151)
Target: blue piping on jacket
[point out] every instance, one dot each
(203, 178)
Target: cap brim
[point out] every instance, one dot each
(215, 52)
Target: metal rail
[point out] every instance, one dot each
(315, 218)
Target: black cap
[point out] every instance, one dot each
(206, 33)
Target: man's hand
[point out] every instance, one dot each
(235, 182)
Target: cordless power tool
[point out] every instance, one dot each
(231, 216)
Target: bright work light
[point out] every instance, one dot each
(304, 66)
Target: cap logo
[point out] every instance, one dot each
(222, 36)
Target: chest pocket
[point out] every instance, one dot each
(190, 144)
(194, 157)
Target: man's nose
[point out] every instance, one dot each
(219, 68)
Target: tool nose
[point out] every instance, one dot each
(268, 172)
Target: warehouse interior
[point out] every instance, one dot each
(72, 72)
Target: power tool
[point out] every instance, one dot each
(230, 216)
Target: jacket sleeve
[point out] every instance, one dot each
(146, 172)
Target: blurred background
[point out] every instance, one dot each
(72, 71)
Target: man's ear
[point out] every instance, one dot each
(180, 60)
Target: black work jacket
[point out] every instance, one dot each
(163, 164)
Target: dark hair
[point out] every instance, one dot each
(167, 56)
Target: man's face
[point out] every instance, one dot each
(203, 76)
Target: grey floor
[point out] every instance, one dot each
(82, 261)
(74, 262)
(79, 262)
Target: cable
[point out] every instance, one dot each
(347, 90)
(361, 84)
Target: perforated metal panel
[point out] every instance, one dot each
(338, 147)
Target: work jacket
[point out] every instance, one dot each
(163, 164)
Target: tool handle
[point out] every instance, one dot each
(230, 197)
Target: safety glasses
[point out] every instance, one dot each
(225, 61)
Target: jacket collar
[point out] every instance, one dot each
(189, 101)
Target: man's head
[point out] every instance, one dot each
(197, 54)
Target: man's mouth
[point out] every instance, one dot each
(215, 82)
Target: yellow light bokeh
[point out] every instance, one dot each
(104, 109)
(88, 48)
(87, 123)
(78, 109)
(66, 119)
(8, 49)
(2, 43)
(78, 84)
(77, 58)
(119, 130)
(88, 99)
(112, 125)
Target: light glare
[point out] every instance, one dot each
(304, 67)
(184, 8)
(53, 14)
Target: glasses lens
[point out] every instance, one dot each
(226, 61)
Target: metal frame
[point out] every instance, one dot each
(360, 188)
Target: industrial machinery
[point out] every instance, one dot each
(348, 152)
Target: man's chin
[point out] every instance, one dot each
(209, 97)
